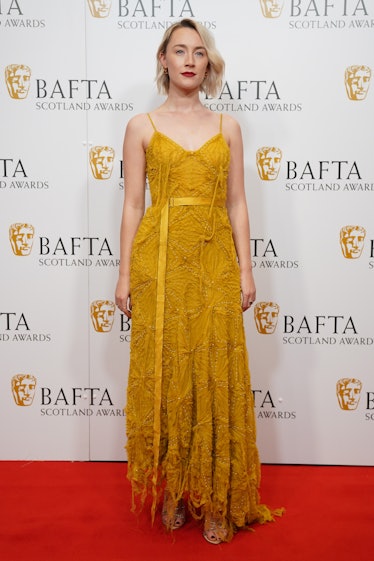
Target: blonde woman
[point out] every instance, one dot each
(185, 279)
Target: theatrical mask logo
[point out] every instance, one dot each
(23, 389)
(17, 78)
(271, 8)
(357, 81)
(99, 8)
(348, 391)
(268, 160)
(352, 240)
(102, 315)
(266, 317)
(21, 236)
(101, 161)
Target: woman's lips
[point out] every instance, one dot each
(188, 74)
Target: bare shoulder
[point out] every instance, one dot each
(231, 129)
(139, 129)
(230, 124)
(138, 123)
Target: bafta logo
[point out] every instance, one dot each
(348, 391)
(21, 238)
(266, 317)
(101, 161)
(23, 389)
(102, 315)
(268, 160)
(99, 8)
(357, 81)
(352, 240)
(271, 8)
(17, 78)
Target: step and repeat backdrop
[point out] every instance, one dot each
(299, 80)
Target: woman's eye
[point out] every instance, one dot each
(179, 51)
(199, 53)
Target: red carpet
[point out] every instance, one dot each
(54, 511)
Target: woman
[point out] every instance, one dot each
(185, 278)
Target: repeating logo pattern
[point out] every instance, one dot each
(310, 169)
(357, 81)
(101, 161)
(64, 401)
(23, 389)
(348, 391)
(271, 8)
(102, 315)
(266, 317)
(352, 240)
(312, 15)
(63, 94)
(100, 8)
(17, 79)
(21, 236)
(268, 161)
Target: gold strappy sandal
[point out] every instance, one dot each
(177, 518)
(214, 532)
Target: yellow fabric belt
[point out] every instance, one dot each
(193, 201)
(159, 322)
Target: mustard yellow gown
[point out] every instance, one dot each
(190, 417)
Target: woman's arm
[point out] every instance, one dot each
(238, 212)
(133, 206)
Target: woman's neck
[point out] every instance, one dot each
(182, 102)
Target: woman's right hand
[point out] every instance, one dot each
(123, 299)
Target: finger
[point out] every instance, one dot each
(247, 302)
(123, 307)
(125, 311)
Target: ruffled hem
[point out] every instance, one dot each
(260, 514)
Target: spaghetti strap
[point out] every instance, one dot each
(220, 123)
(152, 123)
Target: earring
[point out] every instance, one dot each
(166, 70)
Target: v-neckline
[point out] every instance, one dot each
(182, 147)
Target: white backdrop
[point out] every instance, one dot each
(72, 74)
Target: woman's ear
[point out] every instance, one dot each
(162, 59)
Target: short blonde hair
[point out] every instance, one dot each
(213, 81)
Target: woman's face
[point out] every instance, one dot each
(186, 59)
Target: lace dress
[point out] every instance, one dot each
(190, 416)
